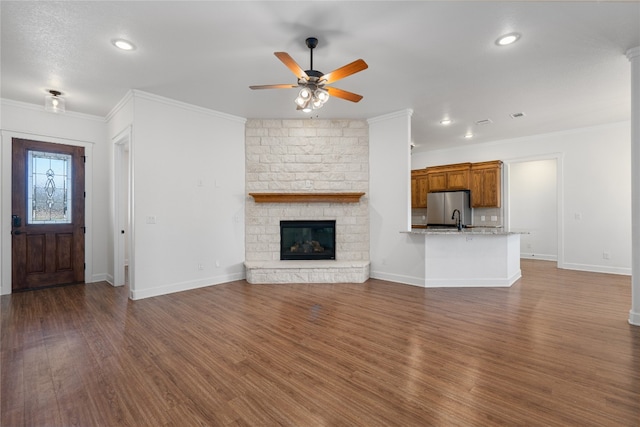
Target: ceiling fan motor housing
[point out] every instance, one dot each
(314, 73)
(312, 42)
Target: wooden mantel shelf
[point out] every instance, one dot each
(306, 197)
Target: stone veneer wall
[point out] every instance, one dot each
(307, 156)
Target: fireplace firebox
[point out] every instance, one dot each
(307, 240)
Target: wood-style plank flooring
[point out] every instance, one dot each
(553, 350)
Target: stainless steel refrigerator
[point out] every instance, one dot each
(441, 207)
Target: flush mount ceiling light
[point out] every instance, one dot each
(53, 103)
(468, 135)
(445, 122)
(507, 39)
(123, 44)
(313, 92)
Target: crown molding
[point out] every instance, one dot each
(40, 109)
(402, 113)
(189, 107)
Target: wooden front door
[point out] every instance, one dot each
(47, 214)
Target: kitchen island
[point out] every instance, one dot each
(472, 257)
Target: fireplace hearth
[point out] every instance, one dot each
(307, 240)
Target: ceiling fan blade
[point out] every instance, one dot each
(292, 65)
(347, 70)
(283, 86)
(343, 94)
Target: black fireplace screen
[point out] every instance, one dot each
(307, 240)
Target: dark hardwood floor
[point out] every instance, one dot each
(553, 350)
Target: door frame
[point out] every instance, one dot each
(5, 198)
(122, 142)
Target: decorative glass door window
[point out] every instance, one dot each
(49, 188)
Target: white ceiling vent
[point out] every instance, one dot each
(516, 115)
(483, 122)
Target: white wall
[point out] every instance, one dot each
(188, 177)
(594, 189)
(395, 256)
(32, 122)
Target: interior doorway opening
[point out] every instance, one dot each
(534, 205)
(122, 213)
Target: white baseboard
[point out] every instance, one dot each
(543, 257)
(497, 282)
(397, 278)
(185, 286)
(634, 318)
(103, 277)
(596, 268)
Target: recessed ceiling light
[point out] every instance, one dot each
(507, 39)
(123, 44)
(468, 135)
(445, 122)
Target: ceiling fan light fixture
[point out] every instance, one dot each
(300, 101)
(309, 100)
(53, 102)
(305, 93)
(322, 95)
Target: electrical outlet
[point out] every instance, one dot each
(151, 220)
(494, 217)
(200, 266)
(217, 263)
(578, 216)
(483, 218)
(605, 255)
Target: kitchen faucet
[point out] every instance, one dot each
(459, 221)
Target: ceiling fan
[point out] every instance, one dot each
(312, 83)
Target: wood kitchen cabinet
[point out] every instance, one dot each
(449, 177)
(486, 182)
(419, 188)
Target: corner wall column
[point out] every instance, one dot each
(634, 57)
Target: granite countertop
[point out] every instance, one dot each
(499, 231)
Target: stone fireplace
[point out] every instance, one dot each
(310, 157)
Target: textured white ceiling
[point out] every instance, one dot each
(437, 58)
